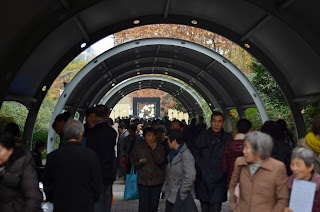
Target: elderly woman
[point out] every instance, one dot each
(262, 179)
(148, 158)
(302, 167)
(181, 172)
(19, 189)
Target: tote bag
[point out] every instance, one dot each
(131, 187)
(186, 205)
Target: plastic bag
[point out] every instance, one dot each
(131, 188)
(186, 205)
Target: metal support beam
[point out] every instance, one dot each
(81, 27)
(29, 125)
(198, 75)
(308, 99)
(256, 27)
(166, 12)
(211, 64)
(286, 4)
(227, 120)
(158, 50)
(17, 98)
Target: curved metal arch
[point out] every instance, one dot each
(184, 100)
(107, 86)
(281, 12)
(148, 78)
(205, 93)
(166, 87)
(144, 42)
(223, 61)
(181, 76)
(96, 96)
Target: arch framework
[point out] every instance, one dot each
(217, 80)
(42, 37)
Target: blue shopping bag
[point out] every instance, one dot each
(131, 188)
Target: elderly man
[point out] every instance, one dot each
(102, 139)
(73, 178)
(211, 181)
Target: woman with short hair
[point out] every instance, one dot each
(181, 172)
(148, 158)
(302, 167)
(262, 179)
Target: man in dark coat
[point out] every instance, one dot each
(102, 139)
(211, 181)
(73, 178)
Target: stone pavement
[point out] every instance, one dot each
(130, 205)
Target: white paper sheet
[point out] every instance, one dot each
(302, 196)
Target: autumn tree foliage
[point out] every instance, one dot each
(236, 54)
(66, 76)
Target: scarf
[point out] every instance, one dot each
(313, 142)
(173, 153)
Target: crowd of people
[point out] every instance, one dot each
(254, 170)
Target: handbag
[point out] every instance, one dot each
(124, 160)
(186, 205)
(125, 157)
(131, 187)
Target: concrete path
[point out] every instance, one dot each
(130, 205)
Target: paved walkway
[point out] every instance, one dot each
(131, 205)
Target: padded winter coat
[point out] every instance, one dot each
(232, 150)
(19, 188)
(181, 174)
(153, 172)
(211, 181)
(266, 190)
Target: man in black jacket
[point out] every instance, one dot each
(102, 139)
(210, 184)
(73, 179)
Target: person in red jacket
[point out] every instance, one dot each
(234, 148)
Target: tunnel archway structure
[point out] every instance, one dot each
(42, 37)
(217, 80)
(187, 98)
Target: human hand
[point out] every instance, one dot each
(143, 161)
(287, 210)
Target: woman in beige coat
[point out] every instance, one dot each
(262, 179)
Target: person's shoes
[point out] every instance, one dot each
(123, 183)
(120, 175)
